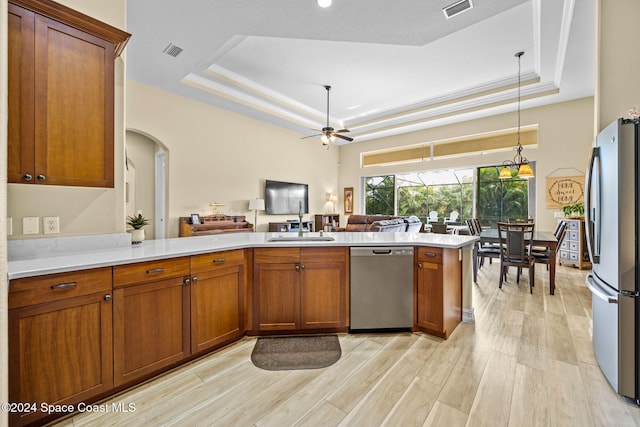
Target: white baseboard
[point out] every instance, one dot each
(468, 315)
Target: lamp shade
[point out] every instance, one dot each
(256, 204)
(525, 171)
(505, 172)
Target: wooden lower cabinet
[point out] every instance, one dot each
(60, 340)
(151, 327)
(217, 299)
(300, 288)
(438, 290)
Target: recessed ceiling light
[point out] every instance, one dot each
(324, 3)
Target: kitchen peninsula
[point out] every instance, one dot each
(127, 313)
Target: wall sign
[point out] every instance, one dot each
(564, 190)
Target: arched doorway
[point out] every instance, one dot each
(146, 181)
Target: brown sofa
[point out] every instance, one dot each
(382, 223)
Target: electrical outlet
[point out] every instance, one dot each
(9, 226)
(51, 224)
(30, 225)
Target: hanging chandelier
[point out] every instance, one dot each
(519, 162)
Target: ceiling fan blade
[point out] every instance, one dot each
(343, 137)
(311, 136)
(341, 130)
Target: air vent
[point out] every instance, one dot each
(457, 8)
(172, 50)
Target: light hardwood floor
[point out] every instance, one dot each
(526, 361)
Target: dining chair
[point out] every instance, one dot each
(520, 220)
(484, 250)
(516, 241)
(541, 253)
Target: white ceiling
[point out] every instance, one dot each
(394, 66)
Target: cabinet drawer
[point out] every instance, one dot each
(430, 254)
(54, 287)
(324, 255)
(216, 260)
(574, 235)
(573, 256)
(276, 255)
(573, 246)
(564, 254)
(574, 225)
(564, 244)
(150, 271)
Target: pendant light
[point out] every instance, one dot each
(518, 162)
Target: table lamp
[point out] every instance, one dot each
(256, 205)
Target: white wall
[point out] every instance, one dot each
(565, 133)
(218, 156)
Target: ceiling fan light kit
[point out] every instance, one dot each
(329, 134)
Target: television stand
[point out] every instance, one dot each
(291, 226)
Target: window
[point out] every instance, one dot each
(499, 200)
(380, 195)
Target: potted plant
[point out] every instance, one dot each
(137, 222)
(574, 210)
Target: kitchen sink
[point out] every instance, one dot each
(301, 239)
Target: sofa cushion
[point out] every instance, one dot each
(413, 223)
(388, 225)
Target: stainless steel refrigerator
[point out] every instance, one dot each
(612, 225)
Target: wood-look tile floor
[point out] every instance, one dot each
(526, 361)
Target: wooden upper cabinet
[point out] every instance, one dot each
(61, 95)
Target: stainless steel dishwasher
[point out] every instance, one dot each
(381, 288)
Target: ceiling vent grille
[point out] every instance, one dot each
(172, 50)
(457, 8)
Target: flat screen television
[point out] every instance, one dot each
(286, 198)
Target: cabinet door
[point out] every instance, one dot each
(323, 296)
(216, 307)
(21, 94)
(151, 328)
(277, 288)
(60, 352)
(429, 296)
(73, 106)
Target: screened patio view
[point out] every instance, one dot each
(473, 193)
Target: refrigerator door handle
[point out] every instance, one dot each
(592, 213)
(598, 291)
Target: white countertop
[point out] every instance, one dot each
(58, 262)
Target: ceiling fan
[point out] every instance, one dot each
(329, 134)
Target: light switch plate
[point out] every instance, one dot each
(51, 224)
(30, 225)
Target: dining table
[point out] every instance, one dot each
(540, 238)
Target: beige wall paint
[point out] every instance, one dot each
(618, 62)
(216, 155)
(565, 133)
(81, 210)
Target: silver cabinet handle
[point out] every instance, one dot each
(64, 285)
(194, 280)
(297, 267)
(218, 260)
(429, 254)
(27, 177)
(187, 281)
(155, 270)
(107, 297)
(41, 177)
(420, 265)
